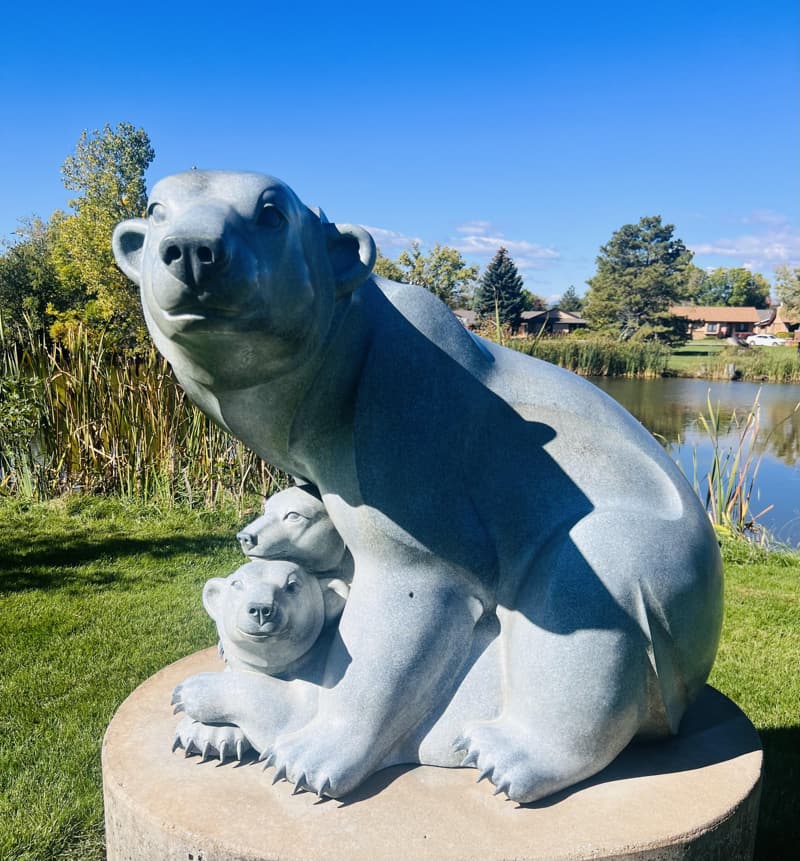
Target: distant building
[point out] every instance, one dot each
(468, 318)
(720, 321)
(553, 321)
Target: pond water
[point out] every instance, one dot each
(670, 408)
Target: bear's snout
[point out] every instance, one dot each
(262, 612)
(194, 259)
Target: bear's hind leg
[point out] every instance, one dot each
(575, 668)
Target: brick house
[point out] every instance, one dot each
(719, 321)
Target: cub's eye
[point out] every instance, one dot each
(236, 584)
(157, 212)
(270, 217)
(294, 517)
(293, 586)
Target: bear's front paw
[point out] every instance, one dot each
(320, 758)
(210, 740)
(202, 697)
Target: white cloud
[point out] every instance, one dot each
(390, 239)
(475, 228)
(771, 247)
(526, 255)
(766, 216)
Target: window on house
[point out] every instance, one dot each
(743, 327)
(712, 328)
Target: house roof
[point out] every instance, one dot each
(555, 314)
(467, 317)
(719, 313)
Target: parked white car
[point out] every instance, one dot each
(764, 341)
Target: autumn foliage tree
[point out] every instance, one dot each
(107, 173)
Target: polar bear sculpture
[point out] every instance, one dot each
(471, 484)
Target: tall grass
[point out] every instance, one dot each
(599, 357)
(728, 485)
(77, 416)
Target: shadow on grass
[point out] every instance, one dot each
(778, 833)
(65, 563)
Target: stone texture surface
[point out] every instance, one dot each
(535, 582)
(695, 797)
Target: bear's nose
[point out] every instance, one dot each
(193, 259)
(247, 540)
(261, 612)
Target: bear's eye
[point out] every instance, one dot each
(236, 584)
(270, 217)
(157, 212)
(292, 587)
(294, 517)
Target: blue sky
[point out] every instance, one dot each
(540, 126)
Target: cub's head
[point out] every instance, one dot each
(296, 526)
(270, 613)
(239, 278)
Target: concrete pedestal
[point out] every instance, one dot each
(694, 797)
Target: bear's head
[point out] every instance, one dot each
(296, 526)
(225, 256)
(270, 613)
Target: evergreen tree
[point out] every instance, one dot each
(640, 272)
(570, 301)
(499, 293)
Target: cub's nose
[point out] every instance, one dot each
(261, 612)
(193, 259)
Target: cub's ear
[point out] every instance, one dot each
(351, 251)
(128, 242)
(213, 593)
(334, 593)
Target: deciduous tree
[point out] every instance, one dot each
(734, 287)
(443, 271)
(107, 171)
(641, 271)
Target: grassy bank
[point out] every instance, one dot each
(97, 594)
(712, 360)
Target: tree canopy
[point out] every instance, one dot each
(570, 301)
(787, 290)
(733, 287)
(499, 295)
(641, 271)
(443, 271)
(107, 170)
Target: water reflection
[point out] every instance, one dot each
(670, 408)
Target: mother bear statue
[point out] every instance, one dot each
(477, 489)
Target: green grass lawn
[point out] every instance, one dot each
(689, 359)
(96, 595)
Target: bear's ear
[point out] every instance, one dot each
(213, 592)
(352, 254)
(334, 594)
(128, 243)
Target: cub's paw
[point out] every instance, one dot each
(217, 741)
(202, 697)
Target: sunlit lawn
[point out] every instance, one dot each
(96, 595)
